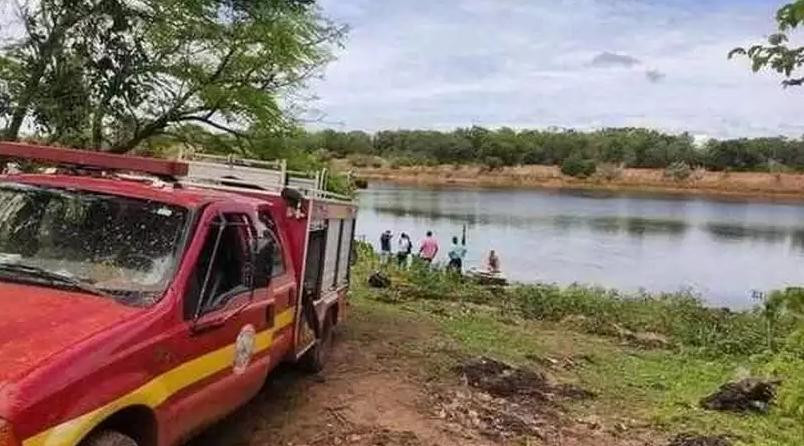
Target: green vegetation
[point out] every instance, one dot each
(599, 333)
(778, 55)
(118, 75)
(575, 151)
(577, 167)
(678, 171)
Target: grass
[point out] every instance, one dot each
(655, 388)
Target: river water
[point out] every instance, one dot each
(722, 250)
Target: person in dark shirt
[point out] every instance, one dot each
(385, 246)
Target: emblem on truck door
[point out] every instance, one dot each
(244, 348)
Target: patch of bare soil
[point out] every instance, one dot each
(509, 405)
(699, 440)
(375, 392)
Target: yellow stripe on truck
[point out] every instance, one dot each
(158, 390)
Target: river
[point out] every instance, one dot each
(721, 250)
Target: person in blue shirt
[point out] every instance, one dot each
(457, 253)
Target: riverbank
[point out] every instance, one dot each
(433, 360)
(643, 362)
(781, 186)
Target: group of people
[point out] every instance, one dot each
(428, 249)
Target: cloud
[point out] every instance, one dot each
(529, 63)
(607, 59)
(654, 75)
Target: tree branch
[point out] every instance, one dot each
(211, 123)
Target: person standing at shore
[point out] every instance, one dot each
(457, 253)
(429, 248)
(404, 249)
(385, 246)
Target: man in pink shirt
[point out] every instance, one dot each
(429, 248)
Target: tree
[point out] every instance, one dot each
(139, 70)
(778, 55)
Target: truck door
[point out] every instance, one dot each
(224, 342)
(275, 277)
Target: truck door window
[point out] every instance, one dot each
(269, 258)
(223, 266)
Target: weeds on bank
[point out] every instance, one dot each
(705, 346)
(681, 317)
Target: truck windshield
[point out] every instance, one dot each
(113, 246)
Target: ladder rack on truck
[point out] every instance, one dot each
(234, 172)
(200, 170)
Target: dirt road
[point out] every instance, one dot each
(383, 387)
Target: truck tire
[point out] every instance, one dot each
(316, 358)
(109, 438)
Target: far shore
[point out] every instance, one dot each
(775, 186)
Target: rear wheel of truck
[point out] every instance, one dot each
(316, 358)
(109, 438)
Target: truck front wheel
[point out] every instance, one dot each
(109, 438)
(316, 358)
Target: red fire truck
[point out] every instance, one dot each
(143, 299)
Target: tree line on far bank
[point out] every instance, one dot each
(578, 152)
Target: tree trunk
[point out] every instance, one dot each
(46, 51)
(152, 129)
(21, 110)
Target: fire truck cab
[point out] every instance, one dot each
(143, 299)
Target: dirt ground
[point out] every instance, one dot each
(380, 389)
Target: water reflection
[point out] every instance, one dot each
(736, 232)
(614, 240)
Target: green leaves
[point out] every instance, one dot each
(777, 55)
(151, 66)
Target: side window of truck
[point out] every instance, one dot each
(270, 261)
(223, 269)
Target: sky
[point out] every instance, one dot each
(585, 64)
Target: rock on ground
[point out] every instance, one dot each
(747, 395)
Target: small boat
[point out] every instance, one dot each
(489, 278)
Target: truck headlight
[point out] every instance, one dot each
(7, 437)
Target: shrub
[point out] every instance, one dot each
(609, 171)
(577, 167)
(788, 368)
(493, 163)
(323, 155)
(678, 171)
(359, 160)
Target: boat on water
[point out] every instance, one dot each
(485, 277)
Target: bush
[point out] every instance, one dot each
(360, 160)
(493, 163)
(578, 168)
(678, 171)
(789, 369)
(776, 167)
(609, 171)
(401, 161)
(323, 155)
(340, 184)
